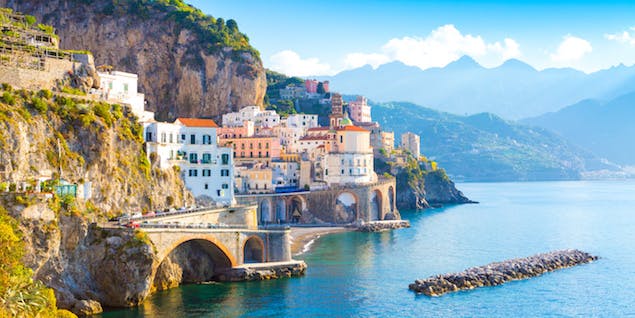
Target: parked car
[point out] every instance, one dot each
(133, 225)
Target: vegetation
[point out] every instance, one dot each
(20, 295)
(213, 33)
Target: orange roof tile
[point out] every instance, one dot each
(352, 128)
(197, 122)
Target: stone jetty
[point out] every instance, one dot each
(499, 273)
(378, 226)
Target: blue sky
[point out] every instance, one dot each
(324, 37)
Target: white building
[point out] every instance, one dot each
(122, 87)
(285, 173)
(359, 109)
(192, 144)
(351, 159)
(304, 121)
(261, 118)
(412, 143)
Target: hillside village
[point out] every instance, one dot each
(84, 148)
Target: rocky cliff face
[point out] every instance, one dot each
(418, 188)
(178, 72)
(94, 143)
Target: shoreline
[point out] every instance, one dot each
(302, 238)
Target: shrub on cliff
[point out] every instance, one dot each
(20, 296)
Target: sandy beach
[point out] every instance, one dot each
(303, 237)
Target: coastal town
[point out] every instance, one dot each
(252, 174)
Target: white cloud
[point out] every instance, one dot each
(290, 63)
(571, 49)
(626, 37)
(510, 49)
(355, 60)
(442, 46)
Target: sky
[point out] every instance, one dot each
(305, 38)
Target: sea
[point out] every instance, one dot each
(367, 274)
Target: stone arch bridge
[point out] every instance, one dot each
(343, 204)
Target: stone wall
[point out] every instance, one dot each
(244, 216)
(35, 79)
(336, 205)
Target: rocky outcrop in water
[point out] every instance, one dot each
(418, 186)
(501, 272)
(246, 273)
(184, 71)
(378, 226)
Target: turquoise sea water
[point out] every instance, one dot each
(367, 274)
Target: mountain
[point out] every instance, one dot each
(513, 90)
(603, 127)
(189, 64)
(485, 147)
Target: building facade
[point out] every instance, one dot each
(411, 143)
(260, 118)
(191, 144)
(359, 109)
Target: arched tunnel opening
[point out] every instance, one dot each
(192, 261)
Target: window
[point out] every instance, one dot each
(259, 154)
(182, 137)
(225, 158)
(109, 85)
(171, 140)
(207, 140)
(259, 145)
(148, 136)
(251, 154)
(342, 172)
(207, 173)
(251, 145)
(267, 154)
(193, 158)
(207, 158)
(125, 87)
(206, 186)
(163, 138)
(193, 173)
(341, 139)
(219, 193)
(350, 171)
(266, 145)
(242, 146)
(171, 154)
(326, 172)
(224, 173)
(192, 139)
(225, 186)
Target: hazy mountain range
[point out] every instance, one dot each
(605, 128)
(513, 90)
(485, 147)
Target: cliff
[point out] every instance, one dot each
(188, 64)
(417, 187)
(91, 143)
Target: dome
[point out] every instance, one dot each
(346, 121)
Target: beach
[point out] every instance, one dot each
(303, 237)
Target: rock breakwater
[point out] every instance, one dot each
(499, 273)
(377, 226)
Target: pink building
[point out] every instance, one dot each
(255, 148)
(360, 111)
(311, 86)
(246, 130)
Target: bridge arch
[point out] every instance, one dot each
(253, 250)
(376, 208)
(346, 207)
(208, 243)
(296, 207)
(265, 211)
(281, 210)
(391, 199)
